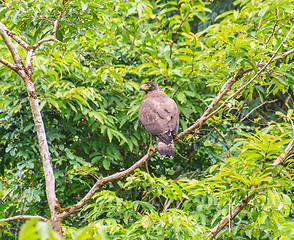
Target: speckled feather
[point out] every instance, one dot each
(158, 113)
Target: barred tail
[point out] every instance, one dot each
(166, 150)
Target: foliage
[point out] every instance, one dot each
(35, 230)
(87, 86)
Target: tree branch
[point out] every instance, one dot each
(283, 55)
(18, 39)
(289, 149)
(39, 125)
(226, 87)
(8, 64)
(22, 217)
(225, 220)
(266, 102)
(98, 185)
(53, 34)
(29, 61)
(16, 58)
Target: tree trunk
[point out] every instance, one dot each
(25, 72)
(45, 154)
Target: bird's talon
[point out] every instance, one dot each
(151, 150)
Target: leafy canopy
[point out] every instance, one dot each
(87, 84)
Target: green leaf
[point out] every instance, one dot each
(263, 11)
(181, 97)
(109, 134)
(106, 163)
(29, 230)
(223, 15)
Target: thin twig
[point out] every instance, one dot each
(22, 217)
(178, 88)
(266, 102)
(290, 122)
(53, 33)
(274, 28)
(234, 213)
(253, 36)
(3, 199)
(230, 215)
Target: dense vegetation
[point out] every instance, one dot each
(231, 76)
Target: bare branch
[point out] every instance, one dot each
(290, 120)
(225, 220)
(253, 36)
(98, 185)
(226, 87)
(11, 46)
(266, 102)
(4, 3)
(283, 55)
(274, 28)
(56, 23)
(18, 39)
(230, 215)
(48, 39)
(8, 64)
(22, 217)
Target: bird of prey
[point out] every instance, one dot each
(158, 113)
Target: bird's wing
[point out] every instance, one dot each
(159, 115)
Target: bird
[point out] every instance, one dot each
(158, 113)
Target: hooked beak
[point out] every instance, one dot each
(143, 87)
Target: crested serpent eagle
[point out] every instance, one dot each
(158, 113)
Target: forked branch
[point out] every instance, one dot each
(53, 33)
(11, 47)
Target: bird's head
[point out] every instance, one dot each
(148, 87)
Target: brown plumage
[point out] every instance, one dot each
(158, 113)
